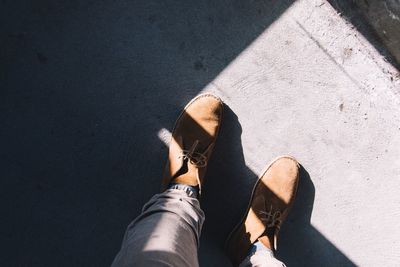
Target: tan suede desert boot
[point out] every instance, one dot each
(270, 202)
(193, 140)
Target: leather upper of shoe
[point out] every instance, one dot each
(193, 140)
(272, 198)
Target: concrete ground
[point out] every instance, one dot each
(383, 17)
(90, 91)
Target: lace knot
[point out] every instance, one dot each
(270, 218)
(195, 158)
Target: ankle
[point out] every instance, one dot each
(260, 247)
(191, 191)
(266, 241)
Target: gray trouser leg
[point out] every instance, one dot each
(165, 234)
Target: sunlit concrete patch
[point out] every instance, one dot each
(165, 136)
(312, 86)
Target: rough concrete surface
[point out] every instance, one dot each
(90, 90)
(384, 17)
(376, 20)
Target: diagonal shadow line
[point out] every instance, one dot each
(226, 193)
(84, 85)
(87, 87)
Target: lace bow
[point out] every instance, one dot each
(195, 158)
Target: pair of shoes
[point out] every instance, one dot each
(192, 143)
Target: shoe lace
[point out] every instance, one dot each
(270, 218)
(195, 158)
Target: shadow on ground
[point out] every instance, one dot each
(85, 88)
(226, 194)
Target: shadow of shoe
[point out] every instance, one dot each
(228, 187)
(300, 244)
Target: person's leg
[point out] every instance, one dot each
(167, 232)
(253, 241)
